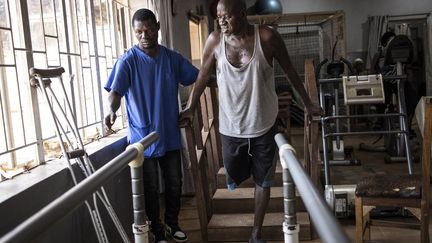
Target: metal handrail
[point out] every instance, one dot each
(326, 224)
(70, 200)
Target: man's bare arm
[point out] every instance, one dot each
(114, 101)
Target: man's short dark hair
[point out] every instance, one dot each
(143, 14)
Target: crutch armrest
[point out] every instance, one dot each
(46, 73)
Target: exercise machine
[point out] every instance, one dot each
(329, 96)
(398, 52)
(366, 89)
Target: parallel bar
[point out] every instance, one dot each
(324, 221)
(53, 212)
(388, 115)
(364, 133)
(339, 80)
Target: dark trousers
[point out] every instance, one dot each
(170, 165)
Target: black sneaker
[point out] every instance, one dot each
(160, 238)
(176, 233)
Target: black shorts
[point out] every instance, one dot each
(243, 157)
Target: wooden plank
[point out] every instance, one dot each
(216, 159)
(215, 134)
(242, 200)
(392, 202)
(311, 129)
(294, 18)
(206, 191)
(230, 227)
(204, 112)
(200, 197)
(196, 131)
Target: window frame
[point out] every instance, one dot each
(100, 16)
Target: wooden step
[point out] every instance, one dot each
(241, 200)
(237, 227)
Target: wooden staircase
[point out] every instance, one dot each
(227, 216)
(233, 215)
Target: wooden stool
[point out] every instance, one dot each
(409, 191)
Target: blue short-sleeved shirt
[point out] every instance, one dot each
(150, 87)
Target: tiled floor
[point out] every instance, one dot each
(372, 163)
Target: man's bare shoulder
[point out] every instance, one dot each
(267, 33)
(214, 38)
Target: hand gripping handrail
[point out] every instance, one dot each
(324, 221)
(70, 200)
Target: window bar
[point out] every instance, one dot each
(7, 122)
(104, 23)
(57, 32)
(93, 95)
(33, 92)
(18, 88)
(105, 30)
(53, 36)
(83, 97)
(111, 10)
(4, 123)
(114, 27)
(43, 31)
(126, 38)
(18, 148)
(98, 77)
(13, 154)
(68, 52)
(7, 65)
(81, 86)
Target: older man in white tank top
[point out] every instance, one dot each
(242, 55)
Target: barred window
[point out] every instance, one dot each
(82, 36)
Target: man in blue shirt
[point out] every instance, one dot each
(148, 76)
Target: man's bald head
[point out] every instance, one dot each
(236, 6)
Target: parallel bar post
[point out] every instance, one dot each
(141, 224)
(290, 227)
(324, 221)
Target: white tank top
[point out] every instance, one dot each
(248, 104)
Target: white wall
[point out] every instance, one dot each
(356, 13)
(180, 21)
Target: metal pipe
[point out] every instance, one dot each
(403, 137)
(324, 221)
(388, 115)
(339, 80)
(74, 197)
(290, 226)
(141, 225)
(289, 197)
(364, 133)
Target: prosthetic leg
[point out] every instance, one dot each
(72, 147)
